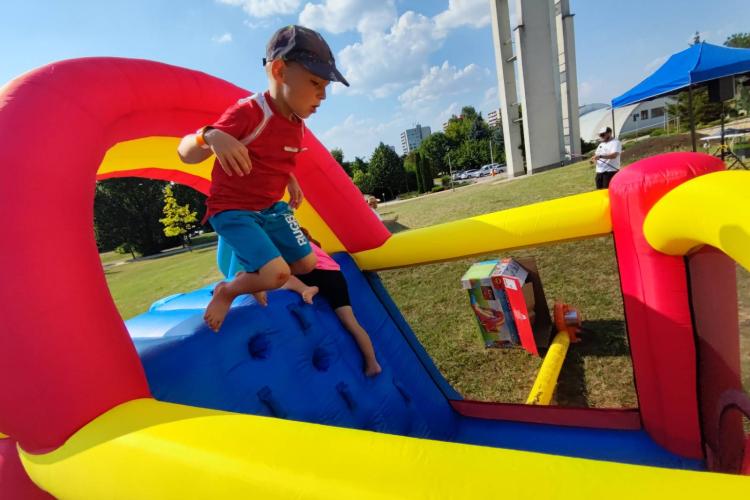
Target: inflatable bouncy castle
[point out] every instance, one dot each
(276, 406)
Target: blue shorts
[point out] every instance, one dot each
(259, 237)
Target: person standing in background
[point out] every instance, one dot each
(606, 158)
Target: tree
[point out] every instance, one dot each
(126, 215)
(359, 164)
(425, 171)
(410, 166)
(178, 219)
(363, 180)
(471, 154)
(418, 165)
(387, 170)
(192, 197)
(741, 40)
(338, 155)
(435, 147)
(704, 111)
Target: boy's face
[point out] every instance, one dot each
(302, 90)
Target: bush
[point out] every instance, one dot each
(657, 132)
(445, 180)
(437, 189)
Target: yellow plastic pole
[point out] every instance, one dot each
(546, 379)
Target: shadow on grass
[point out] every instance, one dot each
(603, 338)
(394, 226)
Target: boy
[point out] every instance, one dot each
(256, 141)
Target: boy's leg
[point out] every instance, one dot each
(272, 275)
(307, 292)
(284, 230)
(346, 315)
(258, 256)
(304, 265)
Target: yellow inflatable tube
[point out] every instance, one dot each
(546, 379)
(148, 449)
(554, 221)
(712, 209)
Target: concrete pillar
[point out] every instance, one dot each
(568, 78)
(539, 83)
(506, 83)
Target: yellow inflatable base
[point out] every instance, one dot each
(148, 449)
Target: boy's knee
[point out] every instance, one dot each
(281, 277)
(275, 274)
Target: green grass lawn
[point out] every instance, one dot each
(597, 372)
(112, 257)
(136, 285)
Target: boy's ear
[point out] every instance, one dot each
(278, 67)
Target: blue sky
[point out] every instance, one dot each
(408, 61)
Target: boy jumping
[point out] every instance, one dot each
(256, 142)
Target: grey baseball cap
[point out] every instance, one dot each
(307, 47)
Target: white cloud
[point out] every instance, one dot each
(453, 109)
(225, 38)
(265, 8)
(382, 63)
(491, 100)
(265, 23)
(393, 51)
(338, 16)
(474, 13)
(358, 136)
(444, 81)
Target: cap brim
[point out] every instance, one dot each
(325, 71)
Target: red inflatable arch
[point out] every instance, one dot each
(72, 358)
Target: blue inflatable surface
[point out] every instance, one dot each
(293, 360)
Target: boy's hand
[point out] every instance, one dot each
(232, 154)
(295, 193)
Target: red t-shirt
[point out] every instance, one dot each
(273, 143)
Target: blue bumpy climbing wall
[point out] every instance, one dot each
(296, 361)
(292, 360)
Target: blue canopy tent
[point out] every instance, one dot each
(699, 64)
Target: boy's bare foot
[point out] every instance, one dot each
(372, 368)
(218, 307)
(308, 293)
(261, 298)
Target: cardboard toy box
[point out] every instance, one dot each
(507, 294)
(491, 309)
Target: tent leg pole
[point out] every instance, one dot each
(723, 147)
(692, 118)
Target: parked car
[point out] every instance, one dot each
(470, 174)
(457, 175)
(492, 169)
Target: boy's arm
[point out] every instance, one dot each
(232, 154)
(295, 192)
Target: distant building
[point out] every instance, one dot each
(632, 119)
(494, 119)
(413, 137)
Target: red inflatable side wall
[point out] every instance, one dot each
(66, 354)
(657, 309)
